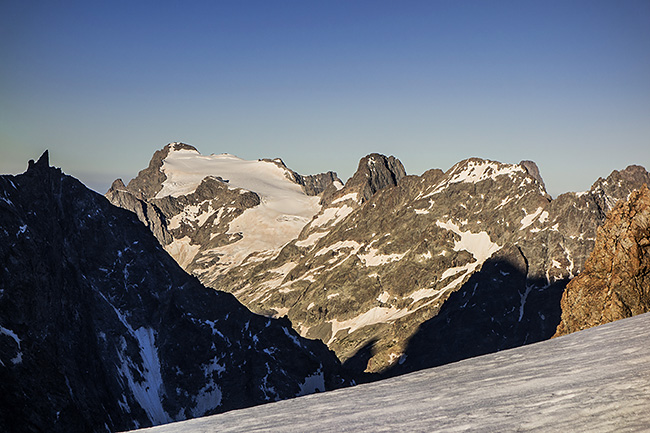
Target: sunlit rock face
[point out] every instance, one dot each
(615, 282)
(214, 212)
(396, 272)
(101, 330)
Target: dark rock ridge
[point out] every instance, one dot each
(398, 272)
(615, 283)
(101, 330)
(313, 184)
(375, 172)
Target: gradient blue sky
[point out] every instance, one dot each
(103, 84)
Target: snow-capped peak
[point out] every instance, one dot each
(475, 170)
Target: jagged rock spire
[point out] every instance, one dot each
(43, 161)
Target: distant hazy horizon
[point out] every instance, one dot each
(103, 85)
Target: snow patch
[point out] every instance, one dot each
(351, 196)
(478, 244)
(208, 397)
(19, 355)
(148, 388)
(373, 316)
(332, 215)
(312, 384)
(311, 239)
(355, 246)
(372, 258)
(182, 250)
(384, 297)
(528, 219)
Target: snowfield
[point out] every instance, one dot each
(283, 212)
(595, 380)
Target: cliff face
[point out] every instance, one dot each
(616, 280)
(101, 330)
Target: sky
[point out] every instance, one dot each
(320, 84)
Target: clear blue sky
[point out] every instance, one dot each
(103, 84)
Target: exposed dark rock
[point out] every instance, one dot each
(101, 330)
(375, 172)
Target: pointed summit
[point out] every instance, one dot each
(376, 172)
(43, 162)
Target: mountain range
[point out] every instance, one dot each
(210, 283)
(393, 272)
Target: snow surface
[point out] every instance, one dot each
(312, 384)
(595, 380)
(284, 210)
(147, 388)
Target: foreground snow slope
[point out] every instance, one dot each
(595, 380)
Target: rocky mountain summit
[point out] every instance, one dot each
(615, 283)
(396, 272)
(212, 212)
(101, 330)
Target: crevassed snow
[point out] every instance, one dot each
(595, 380)
(185, 170)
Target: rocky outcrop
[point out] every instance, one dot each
(615, 283)
(375, 172)
(101, 330)
(313, 184)
(148, 213)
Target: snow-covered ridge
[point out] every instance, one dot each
(185, 169)
(284, 210)
(477, 171)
